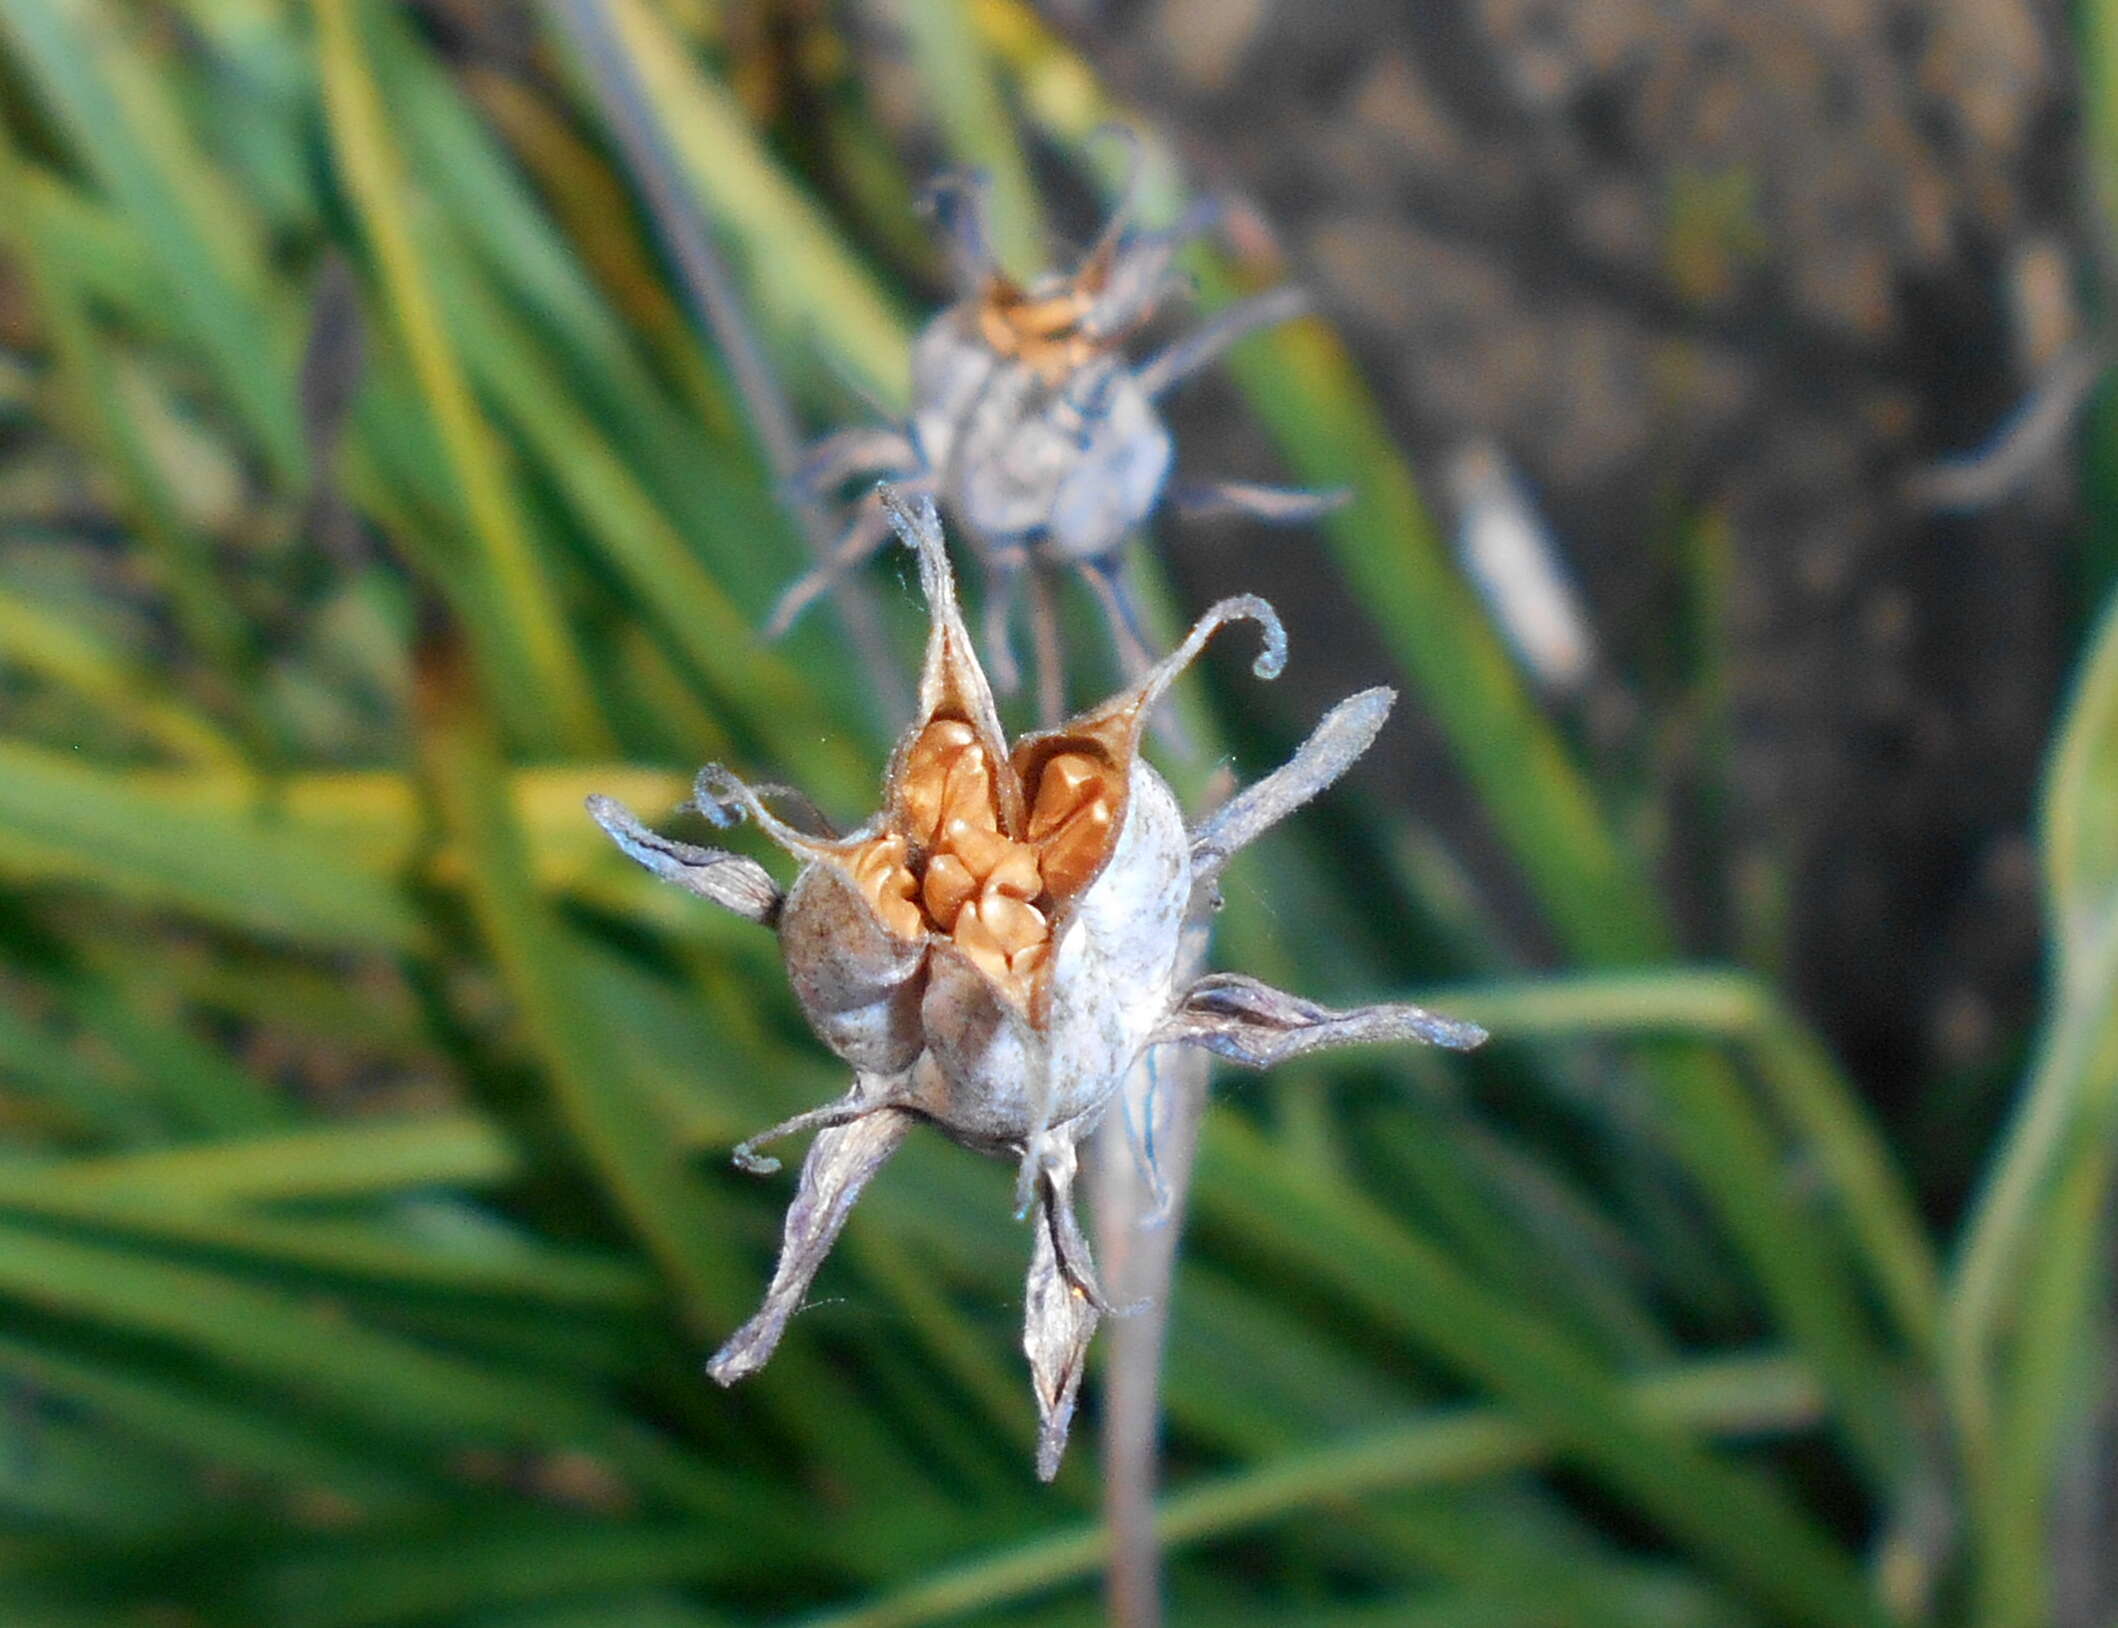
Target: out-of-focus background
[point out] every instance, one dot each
(1719, 391)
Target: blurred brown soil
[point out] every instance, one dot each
(1705, 268)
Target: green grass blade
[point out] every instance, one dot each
(406, 1580)
(42, 641)
(501, 218)
(76, 1478)
(35, 1064)
(280, 1340)
(2056, 1377)
(623, 1136)
(202, 1089)
(1735, 1521)
(670, 586)
(2081, 858)
(650, 1610)
(212, 1428)
(103, 421)
(393, 1257)
(118, 114)
(402, 1390)
(620, 1135)
(363, 1159)
(1738, 1396)
(1803, 1085)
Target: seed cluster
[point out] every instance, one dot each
(1046, 332)
(950, 865)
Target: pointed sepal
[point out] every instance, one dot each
(840, 1161)
(1252, 1023)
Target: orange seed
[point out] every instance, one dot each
(947, 885)
(1072, 853)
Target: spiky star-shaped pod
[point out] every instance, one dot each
(993, 951)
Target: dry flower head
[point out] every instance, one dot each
(997, 947)
(1032, 427)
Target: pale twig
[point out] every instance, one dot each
(1139, 1213)
(2029, 438)
(718, 308)
(1050, 657)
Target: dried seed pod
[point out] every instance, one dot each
(995, 949)
(1032, 426)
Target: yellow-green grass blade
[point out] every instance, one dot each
(2015, 1322)
(501, 220)
(2055, 1374)
(593, 209)
(673, 590)
(102, 253)
(560, 708)
(364, 1158)
(99, 418)
(315, 858)
(63, 822)
(801, 278)
(39, 639)
(689, 453)
(620, 1135)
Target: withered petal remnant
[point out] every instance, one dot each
(999, 944)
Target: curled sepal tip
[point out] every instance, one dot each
(1120, 719)
(728, 880)
(1271, 660)
(725, 798)
(838, 1166)
(919, 529)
